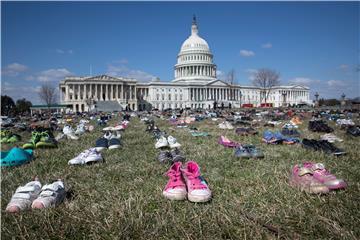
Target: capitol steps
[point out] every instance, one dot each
(108, 106)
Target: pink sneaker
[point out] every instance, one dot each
(198, 190)
(227, 142)
(322, 175)
(303, 178)
(175, 189)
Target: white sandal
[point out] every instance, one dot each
(51, 195)
(24, 196)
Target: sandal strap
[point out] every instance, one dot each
(25, 196)
(25, 189)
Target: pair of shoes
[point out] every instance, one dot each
(296, 120)
(88, 156)
(226, 125)
(186, 183)
(171, 156)
(70, 133)
(290, 132)
(108, 141)
(314, 178)
(227, 142)
(16, 157)
(319, 126)
(322, 145)
(32, 195)
(40, 140)
(330, 138)
(248, 151)
(8, 137)
(276, 138)
(165, 142)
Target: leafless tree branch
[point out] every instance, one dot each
(266, 79)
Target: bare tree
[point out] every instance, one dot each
(266, 79)
(47, 94)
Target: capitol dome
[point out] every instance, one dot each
(195, 60)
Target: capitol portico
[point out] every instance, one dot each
(195, 86)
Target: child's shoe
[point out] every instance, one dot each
(198, 190)
(175, 189)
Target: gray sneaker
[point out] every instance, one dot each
(164, 156)
(177, 156)
(254, 152)
(242, 152)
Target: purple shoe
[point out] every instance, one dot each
(228, 143)
(303, 179)
(322, 175)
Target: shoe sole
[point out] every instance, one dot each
(175, 196)
(198, 199)
(114, 146)
(99, 149)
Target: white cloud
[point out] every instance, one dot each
(124, 71)
(18, 91)
(53, 75)
(343, 67)
(62, 51)
(336, 83)
(303, 81)
(247, 53)
(266, 45)
(14, 69)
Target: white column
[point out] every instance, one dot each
(79, 95)
(67, 92)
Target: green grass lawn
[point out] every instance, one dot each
(122, 198)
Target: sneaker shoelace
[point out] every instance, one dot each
(195, 181)
(175, 179)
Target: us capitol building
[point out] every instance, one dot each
(195, 86)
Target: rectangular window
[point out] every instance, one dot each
(175, 97)
(180, 97)
(163, 97)
(169, 96)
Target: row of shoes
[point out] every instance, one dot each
(9, 137)
(315, 178)
(322, 145)
(34, 195)
(186, 183)
(43, 139)
(319, 126)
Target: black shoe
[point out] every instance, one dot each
(354, 131)
(310, 144)
(177, 156)
(330, 148)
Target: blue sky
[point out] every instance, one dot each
(310, 43)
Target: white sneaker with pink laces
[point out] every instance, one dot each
(175, 189)
(197, 187)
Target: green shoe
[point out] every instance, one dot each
(35, 137)
(14, 138)
(5, 134)
(46, 141)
